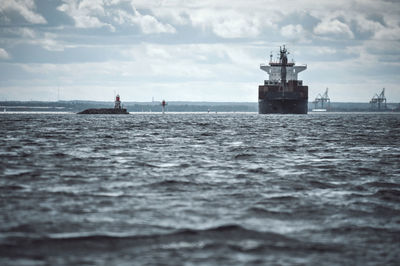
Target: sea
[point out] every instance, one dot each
(200, 189)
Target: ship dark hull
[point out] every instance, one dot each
(272, 100)
(282, 106)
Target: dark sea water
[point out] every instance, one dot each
(208, 189)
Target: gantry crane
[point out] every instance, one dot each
(378, 102)
(322, 99)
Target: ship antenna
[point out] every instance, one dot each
(270, 57)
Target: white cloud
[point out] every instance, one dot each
(227, 23)
(49, 42)
(99, 13)
(94, 7)
(235, 19)
(292, 31)
(150, 24)
(24, 8)
(235, 25)
(4, 54)
(189, 61)
(295, 33)
(85, 13)
(388, 34)
(325, 50)
(176, 16)
(366, 25)
(236, 28)
(34, 37)
(26, 33)
(335, 27)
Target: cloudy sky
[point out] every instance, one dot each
(194, 50)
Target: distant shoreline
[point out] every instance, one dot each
(173, 106)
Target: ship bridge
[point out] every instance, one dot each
(274, 71)
(281, 70)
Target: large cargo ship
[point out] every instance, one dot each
(282, 93)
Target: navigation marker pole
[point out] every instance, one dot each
(163, 104)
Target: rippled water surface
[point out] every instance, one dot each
(222, 189)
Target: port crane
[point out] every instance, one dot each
(378, 100)
(321, 99)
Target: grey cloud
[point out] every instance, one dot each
(305, 19)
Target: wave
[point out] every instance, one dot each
(378, 184)
(283, 198)
(388, 194)
(144, 164)
(229, 237)
(365, 230)
(229, 231)
(13, 187)
(264, 212)
(241, 156)
(171, 183)
(321, 185)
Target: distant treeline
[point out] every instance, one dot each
(77, 106)
(354, 107)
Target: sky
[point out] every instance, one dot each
(195, 50)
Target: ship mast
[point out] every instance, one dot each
(284, 60)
